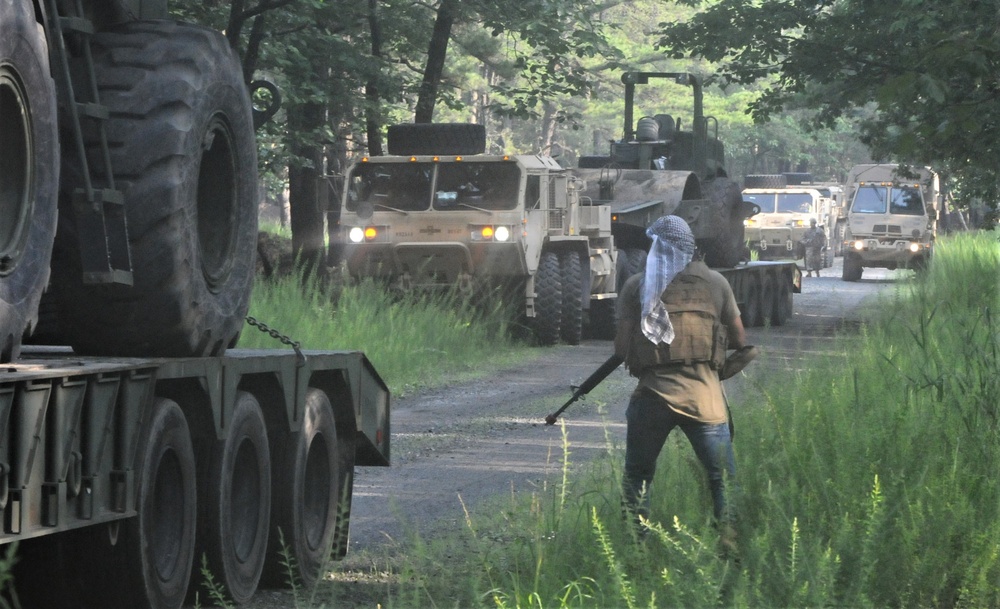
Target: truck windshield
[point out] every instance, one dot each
(407, 186)
(764, 201)
(795, 203)
(399, 186)
(906, 200)
(489, 186)
(870, 200)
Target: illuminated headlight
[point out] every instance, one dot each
(914, 247)
(859, 244)
(356, 235)
(491, 233)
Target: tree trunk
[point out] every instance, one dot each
(303, 188)
(436, 53)
(373, 124)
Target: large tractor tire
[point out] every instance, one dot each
(765, 181)
(308, 475)
(783, 304)
(183, 151)
(593, 162)
(725, 249)
(548, 299)
(436, 138)
(750, 311)
(29, 172)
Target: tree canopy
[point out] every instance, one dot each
(920, 79)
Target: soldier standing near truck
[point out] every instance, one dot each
(813, 240)
(675, 324)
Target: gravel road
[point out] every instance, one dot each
(468, 442)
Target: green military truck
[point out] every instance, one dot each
(143, 441)
(437, 213)
(891, 218)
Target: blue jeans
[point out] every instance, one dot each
(650, 421)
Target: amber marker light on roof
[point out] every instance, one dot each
(458, 158)
(413, 159)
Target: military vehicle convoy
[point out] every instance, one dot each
(437, 212)
(891, 218)
(128, 189)
(776, 232)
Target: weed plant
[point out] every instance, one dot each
(412, 340)
(866, 480)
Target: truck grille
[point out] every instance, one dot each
(887, 229)
(555, 219)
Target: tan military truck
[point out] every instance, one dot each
(511, 225)
(785, 214)
(892, 218)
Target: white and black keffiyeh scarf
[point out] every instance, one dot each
(671, 251)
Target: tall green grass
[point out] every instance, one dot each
(867, 480)
(412, 340)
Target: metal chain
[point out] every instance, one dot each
(294, 344)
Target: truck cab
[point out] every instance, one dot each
(784, 217)
(891, 219)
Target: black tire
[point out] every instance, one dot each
(593, 162)
(725, 248)
(156, 549)
(827, 257)
(436, 138)
(783, 303)
(797, 178)
(571, 323)
(764, 181)
(839, 234)
(852, 267)
(548, 300)
(183, 151)
(767, 300)
(29, 164)
(307, 475)
(234, 490)
(750, 312)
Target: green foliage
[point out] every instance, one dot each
(411, 340)
(866, 479)
(929, 71)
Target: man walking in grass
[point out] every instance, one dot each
(676, 321)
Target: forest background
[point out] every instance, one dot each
(794, 85)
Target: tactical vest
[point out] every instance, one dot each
(699, 334)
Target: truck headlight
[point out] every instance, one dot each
(859, 245)
(356, 235)
(502, 233)
(914, 247)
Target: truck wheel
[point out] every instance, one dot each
(183, 151)
(635, 263)
(852, 267)
(767, 300)
(436, 138)
(307, 477)
(234, 495)
(765, 181)
(155, 550)
(750, 312)
(548, 299)
(571, 324)
(725, 248)
(839, 234)
(29, 168)
(783, 304)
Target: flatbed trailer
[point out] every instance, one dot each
(764, 289)
(131, 469)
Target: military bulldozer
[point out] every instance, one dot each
(658, 168)
(134, 441)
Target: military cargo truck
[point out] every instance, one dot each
(511, 226)
(776, 232)
(128, 180)
(891, 218)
